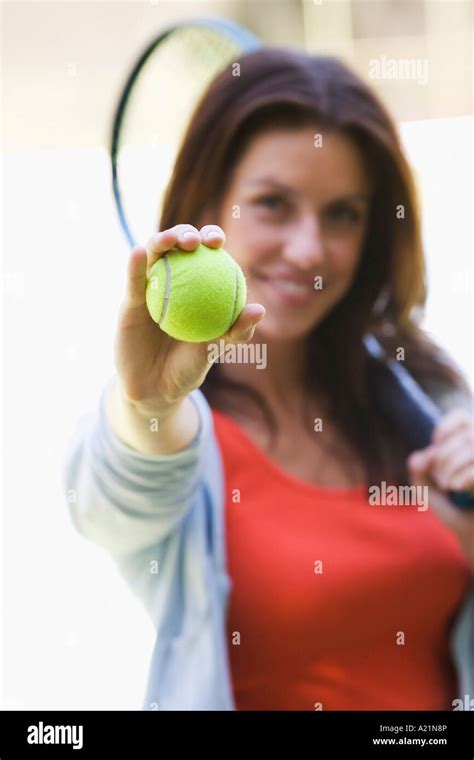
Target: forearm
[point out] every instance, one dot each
(148, 430)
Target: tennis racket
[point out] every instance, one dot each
(406, 406)
(155, 107)
(169, 78)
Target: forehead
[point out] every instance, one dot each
(303, 156)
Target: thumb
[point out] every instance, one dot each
(244, 327)
(241, 331)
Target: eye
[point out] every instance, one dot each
(273, 202)
(343, 212)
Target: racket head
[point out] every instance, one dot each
(155, 107)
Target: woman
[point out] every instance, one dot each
(235, 499)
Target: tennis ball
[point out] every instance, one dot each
(196, 296)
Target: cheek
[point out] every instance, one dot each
(250, 244)
(343, 257)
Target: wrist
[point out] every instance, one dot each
(160, 409)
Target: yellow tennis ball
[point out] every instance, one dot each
(196, 296)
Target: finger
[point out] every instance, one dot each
(420, 461)
(451, 456)
(213, 236)
(244, 327)
(241, 331)
(463, 480)
(454, 420)
(419, 465)
(136, 277)
(184, 236)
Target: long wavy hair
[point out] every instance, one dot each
(279, 87)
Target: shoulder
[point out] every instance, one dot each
(431, 365)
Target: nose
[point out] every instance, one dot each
(304, 247)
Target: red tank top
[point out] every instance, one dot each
(335, 604)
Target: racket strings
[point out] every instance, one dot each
(158, 109)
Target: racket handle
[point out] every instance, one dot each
(407, 408)
(462, 499)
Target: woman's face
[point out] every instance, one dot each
(295, 217)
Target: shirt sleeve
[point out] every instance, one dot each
(121, 499)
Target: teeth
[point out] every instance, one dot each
(292, 287)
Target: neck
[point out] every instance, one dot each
(281, 381)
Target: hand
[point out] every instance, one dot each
(155, 370)
(447, 464)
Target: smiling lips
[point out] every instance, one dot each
(289, 289)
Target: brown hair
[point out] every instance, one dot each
(287, 88)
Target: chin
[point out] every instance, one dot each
(273, 328)
(287, 321)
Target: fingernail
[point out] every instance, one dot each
(187, 236)
(211, 232)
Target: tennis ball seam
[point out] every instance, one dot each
(166, 297)
(236, 294)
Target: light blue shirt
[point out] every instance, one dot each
(161, 518)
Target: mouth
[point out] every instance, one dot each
(288, 291)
